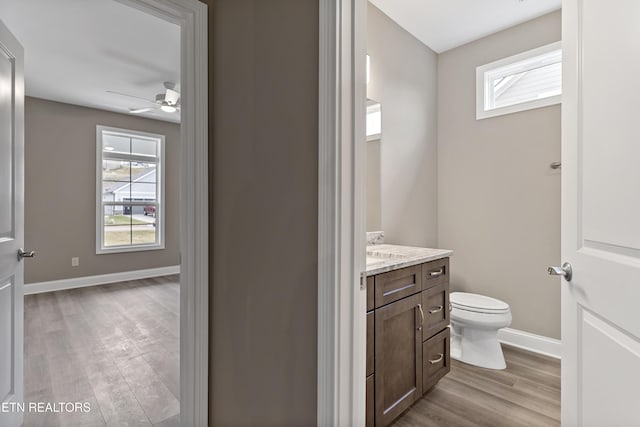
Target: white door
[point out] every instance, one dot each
(601, 213)
(11, 227)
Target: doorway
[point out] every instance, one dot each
(191, 177)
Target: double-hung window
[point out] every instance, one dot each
(521, 82)
(130, 190)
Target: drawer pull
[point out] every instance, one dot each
(421, 316)
(438, 309)
(438, 273)
(439, 359)
(393, 291)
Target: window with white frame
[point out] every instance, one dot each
(130, 190)
(521, 82)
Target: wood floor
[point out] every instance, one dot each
(117, 347)
(527, 393)
(113, 346)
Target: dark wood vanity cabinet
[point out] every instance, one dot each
(407, 337)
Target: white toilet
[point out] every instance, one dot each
(475, 320)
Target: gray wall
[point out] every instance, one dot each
(498, 201)
(60, 190)
(404, 80)
(264, 191)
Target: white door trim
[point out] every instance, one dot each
(191, 15)
(341, 214)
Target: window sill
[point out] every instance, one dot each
(124, 249)
(538, 103)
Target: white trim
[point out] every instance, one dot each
(191, 15)
(100, 279)
(483, 113)
(328, 247)
(341, 214)
(531, 342)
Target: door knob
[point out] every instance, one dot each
(23, 254)
(564, 271)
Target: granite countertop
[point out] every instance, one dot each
(383, 258)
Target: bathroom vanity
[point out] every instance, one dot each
(407, 327)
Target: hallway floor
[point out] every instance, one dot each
(114, 346)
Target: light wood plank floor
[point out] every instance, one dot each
(527, 393)
(115, 346)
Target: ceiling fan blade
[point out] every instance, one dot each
(172, 97)
(140, 110)
(131, 96)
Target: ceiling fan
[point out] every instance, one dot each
(169, 101)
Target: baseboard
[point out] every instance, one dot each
(101, 279)
(531, 342)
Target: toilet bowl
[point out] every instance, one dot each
(475, 321)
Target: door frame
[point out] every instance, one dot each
(191, 15)
(341, 214)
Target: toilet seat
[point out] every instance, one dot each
(477, 303)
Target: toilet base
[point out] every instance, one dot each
(480, 347)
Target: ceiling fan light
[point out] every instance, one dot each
(168, 108)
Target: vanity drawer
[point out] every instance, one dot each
(370, 293)
(435, 305)
(397, 284)
(436, 361)
(370, 342)
(435, 273)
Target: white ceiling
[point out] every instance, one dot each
(445, 24)
(77, 50)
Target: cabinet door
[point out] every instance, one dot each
(398, 358)
(435, 303)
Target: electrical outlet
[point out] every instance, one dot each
(75, 261)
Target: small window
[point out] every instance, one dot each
(129, 190)
(521, 82)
